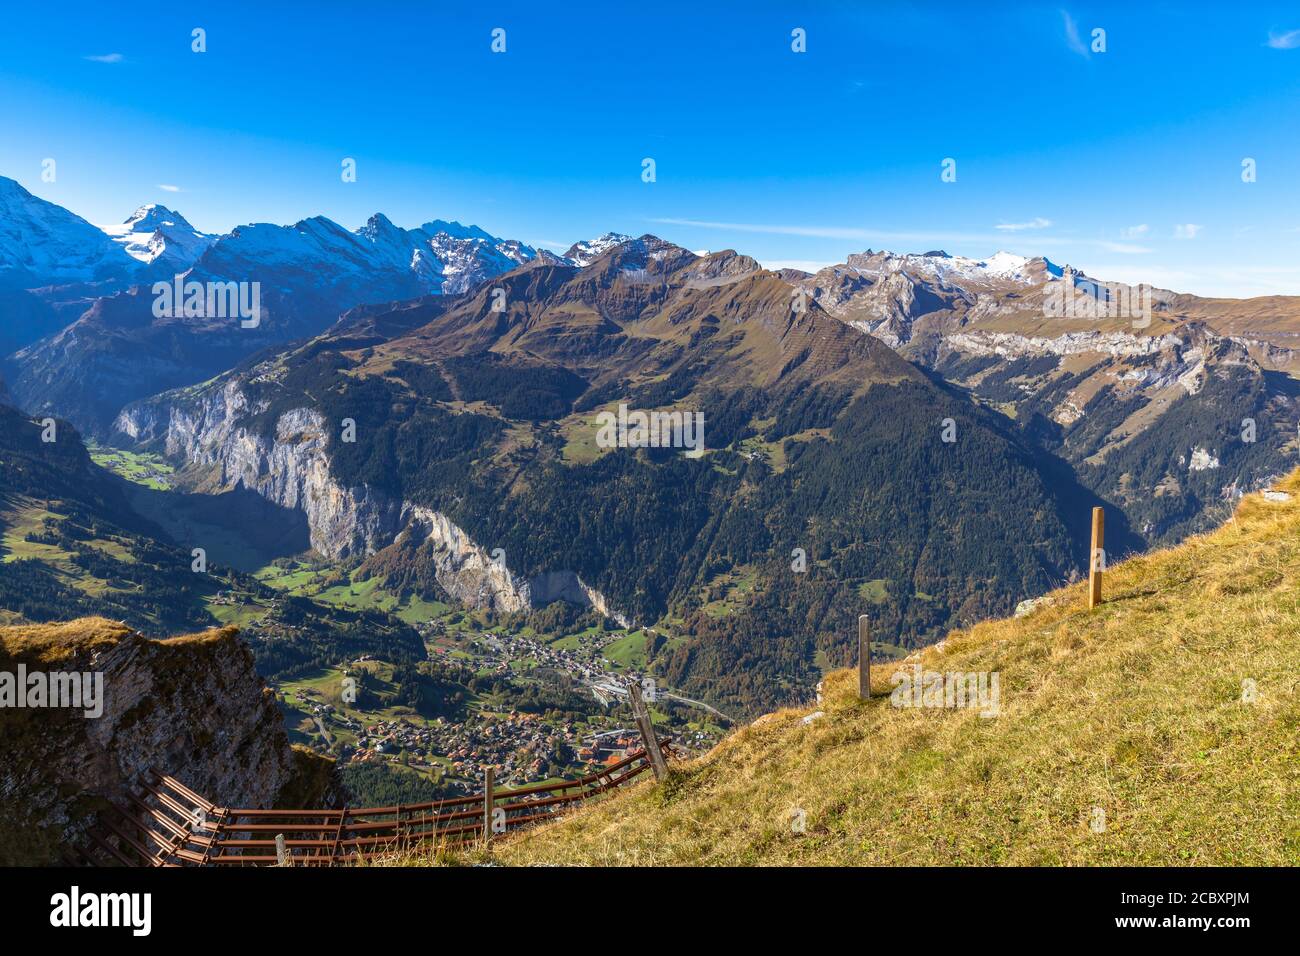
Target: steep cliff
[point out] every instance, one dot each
(191, 706)
(209, 427)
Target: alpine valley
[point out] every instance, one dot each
(401, 473)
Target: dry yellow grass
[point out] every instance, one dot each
(51, 643)
(1137, 709)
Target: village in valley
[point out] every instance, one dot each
(588, 724)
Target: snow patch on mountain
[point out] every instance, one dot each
(42, 243)
(589, 250)
(948, 268)
(155, 232)
(446, 257)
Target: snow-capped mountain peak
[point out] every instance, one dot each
(445, 257)
(1004, 263)
(589, 250)
(947, 269)
(456, 230)
(154, 233)
(149, 218)
(42, 243)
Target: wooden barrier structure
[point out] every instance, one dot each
(1096, 557)
(646, 726)
(168, 824)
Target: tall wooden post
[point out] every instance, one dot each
(647, 728)
(1096, 559)
(864, 658)
(489, 782)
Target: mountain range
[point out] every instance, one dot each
(917, 438)
(477, 430)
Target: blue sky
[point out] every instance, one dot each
(1126, 163)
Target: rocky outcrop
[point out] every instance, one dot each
(292, 469)
(567, 586)
(1014, 345)
(193, 707)
(1149, 362)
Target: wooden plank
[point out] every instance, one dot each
(864, 657)
(646, 726)
(1096, 557)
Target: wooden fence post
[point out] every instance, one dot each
(646, 726)
(281, 851)
(1096, 557)
(489, 781)
(864, 657)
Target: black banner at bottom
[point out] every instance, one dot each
(559, 904)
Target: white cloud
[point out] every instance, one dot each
(106, 58)
(1072, 38)
(1187, 230)
(1038, 222)
(1284, 41)
(1134, 232)
(168, 188)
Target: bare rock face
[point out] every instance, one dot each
(192, 707)
(292, 469)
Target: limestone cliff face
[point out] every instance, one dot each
(292, 469)
(193, 707)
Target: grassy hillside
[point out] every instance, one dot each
(1137, 709)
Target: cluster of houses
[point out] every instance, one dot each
(521, 748)
(609, 747)
(500, 653)
(233, 598)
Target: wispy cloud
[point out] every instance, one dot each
(106, 58)
(1187, 230)
(1134, 232)
(167, 188)
(896, 239)
(1228, 280)
(1284, 41)
(1038, 222)
(1072, 38)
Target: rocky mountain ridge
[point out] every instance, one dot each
(476, 429)
(80, 324)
